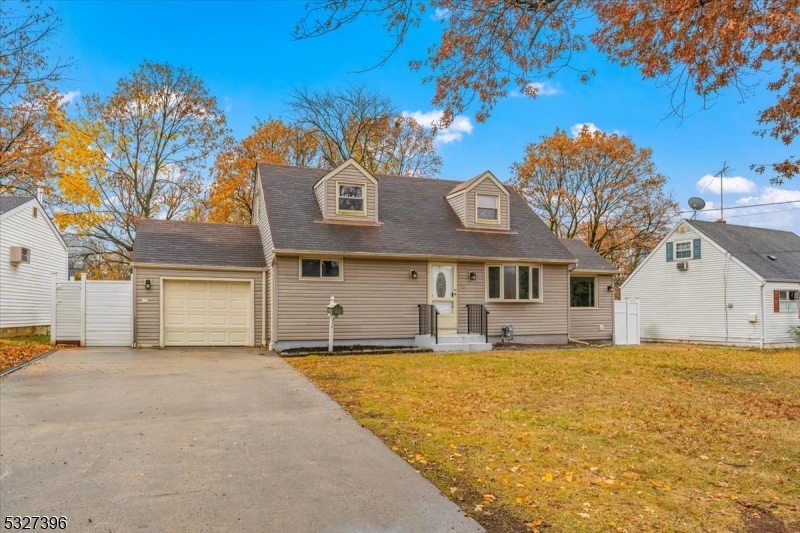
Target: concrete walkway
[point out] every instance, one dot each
(118, 439)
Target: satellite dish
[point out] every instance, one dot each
(696, 203)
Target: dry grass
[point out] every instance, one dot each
(658, 438)
(18, 350)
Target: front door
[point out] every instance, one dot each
(443, 295)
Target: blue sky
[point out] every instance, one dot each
(245, 54)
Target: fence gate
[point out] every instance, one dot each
(93, 313)
(626, 321)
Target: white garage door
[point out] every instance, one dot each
(207, 313)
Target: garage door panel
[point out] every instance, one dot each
(238, 320)
(239, 304)
(238, 337)
(219, 304)
(198, 303)
(215, 313)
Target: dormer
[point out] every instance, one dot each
(348, 193)
(481, 203)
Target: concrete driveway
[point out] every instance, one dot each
(118, 439)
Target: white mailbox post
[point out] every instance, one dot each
(334, 310)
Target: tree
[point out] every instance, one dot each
(139, 153)
(599, 188)
(230, 197)
(691, 46)
(28, 101)
(358, 123)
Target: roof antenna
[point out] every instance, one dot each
(721, 175)
(697, 204)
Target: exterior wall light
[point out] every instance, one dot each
(473, 276)
(610, 288)
(147, 284)
(413, 274)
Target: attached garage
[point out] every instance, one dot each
(198, 284)
(207, 312)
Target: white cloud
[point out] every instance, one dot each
(783, 216)
(577, 128)
(440, 13)
(454, 132)
(68, 97)
(540, 88)
(732, 185)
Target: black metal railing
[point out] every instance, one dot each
(478, 320)
(429, 321)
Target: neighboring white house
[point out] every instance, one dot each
(712, 282)
(31, 251)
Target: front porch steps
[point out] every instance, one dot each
(454, 343)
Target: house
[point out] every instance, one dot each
(719, 283)
(389, 249)
(32, 253)
(591, 294)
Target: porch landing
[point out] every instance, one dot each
(454, 343)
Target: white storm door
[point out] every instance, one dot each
(207, 313)
(442, 293)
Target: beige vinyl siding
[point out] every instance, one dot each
(379, 298)
(546, 318)
(147, 313)
(26, 289)
(319, 192)
(584, 322)
(459, 204)
(263, 224)
(488, 187)
(350, 174)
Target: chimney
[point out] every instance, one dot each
(40, 194)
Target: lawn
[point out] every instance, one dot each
(18, 350)
(656, 438)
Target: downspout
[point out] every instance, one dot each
(763, 316)
(570, 268)
(263, 307)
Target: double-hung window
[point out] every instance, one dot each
(350, 199)
(330, 269)
(582, 291)
(683, 250)
(488, 209)
(514, 283)
(788, 301)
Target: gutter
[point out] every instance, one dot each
(763, 316)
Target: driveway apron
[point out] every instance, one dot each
(119, 439)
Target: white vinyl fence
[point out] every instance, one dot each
(626, 321)
(93, 313)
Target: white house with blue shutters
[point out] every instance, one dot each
(711, 282)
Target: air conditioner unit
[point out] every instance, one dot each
(16, 255)
(683, 265)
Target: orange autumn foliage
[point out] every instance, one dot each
(599, 188)
(230, 198)
(700, 47)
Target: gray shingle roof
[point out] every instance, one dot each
(178, 242)
(752, 246)
(587, 258)
(415, 218)
(7, 203)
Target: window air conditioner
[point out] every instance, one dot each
(683, 265)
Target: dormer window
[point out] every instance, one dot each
(488, 209)
(350, 199)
